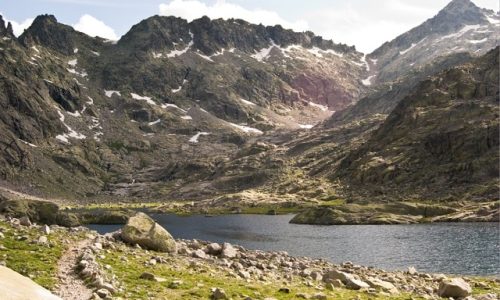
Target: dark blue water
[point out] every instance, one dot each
(452, 248)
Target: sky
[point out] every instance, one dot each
(367, 24)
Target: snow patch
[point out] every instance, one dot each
(264, 52)
(72, 133)
(461, 32)
(247, 102)
(186, 118)
(73, 62)
(204, 57)
(76, 114)
(246, 129)
(95, 53)
(306, 126)
(73, 71)
(109, 94)
(36, 49)
(46, 80)
(368, 81)
(194, 138)
(478, 41)
(154, 122)
(90, 102)
(75, 50)
(167, 105)
(175, 53)
(142, 98)
(29, 144)
(322, 107)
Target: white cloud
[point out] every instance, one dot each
(94, 27)
(193, 9)
(18, 28)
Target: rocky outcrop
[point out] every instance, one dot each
(14, 286)
(143, 231)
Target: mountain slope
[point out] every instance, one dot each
(440, 142)
(459, 27)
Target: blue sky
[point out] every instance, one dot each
(363, 23)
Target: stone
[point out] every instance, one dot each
(152, 277)
(19, 287)
(218, 293)
(214, 249)
(320, 296)
(284, 290)
(337, 283)
(103, 293)
(382, 285)
(199, 254)
(302, 296)
(42, 240)
(175, 284)
(335, 275)
(25, 221)
(412, 271)
(454, 288)
(228, 251)
(356, 284)
(316, 276)
(145, 232)
(329, 286)
(45, 229)
(244, 274)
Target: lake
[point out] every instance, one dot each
(452, 248)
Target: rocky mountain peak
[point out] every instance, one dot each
(5, 30)
(460, 6)
(48, 32)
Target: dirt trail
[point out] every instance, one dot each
(71, 287)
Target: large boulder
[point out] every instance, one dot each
(144, 231)
(14, 286)
(454, 288)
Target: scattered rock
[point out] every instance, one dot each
(42, 240)
(214, 249)
(152, 277)
(175, 284)
(454, 288)
(25, 221)
(228, 251)
(103, 293)
(45, 229)
(199, 254)
(218, 293)
(284, 290)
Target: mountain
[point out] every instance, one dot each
(457, 34)
(459, 27)
(163, 107)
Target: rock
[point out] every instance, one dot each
(454, 288)
(244, 274)
(337, 283)
(175, 284)
(412, 271)
(218, 293)
(228, 251)
(42, 240)
(302, 296)
(214, 249)
(143, 231)
(382, 285)
(152, 277)
(284, 290)
(356, 284)
(316, 276)
(320, 296)
(108, 286)
(25, 221)
(335, 275)
(17, 287)
(103, 293)
(329, 286)
(199, 254)
(45, 229)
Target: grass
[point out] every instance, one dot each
(30, 259)
(197, 281)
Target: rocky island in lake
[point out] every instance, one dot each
(216, 150)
